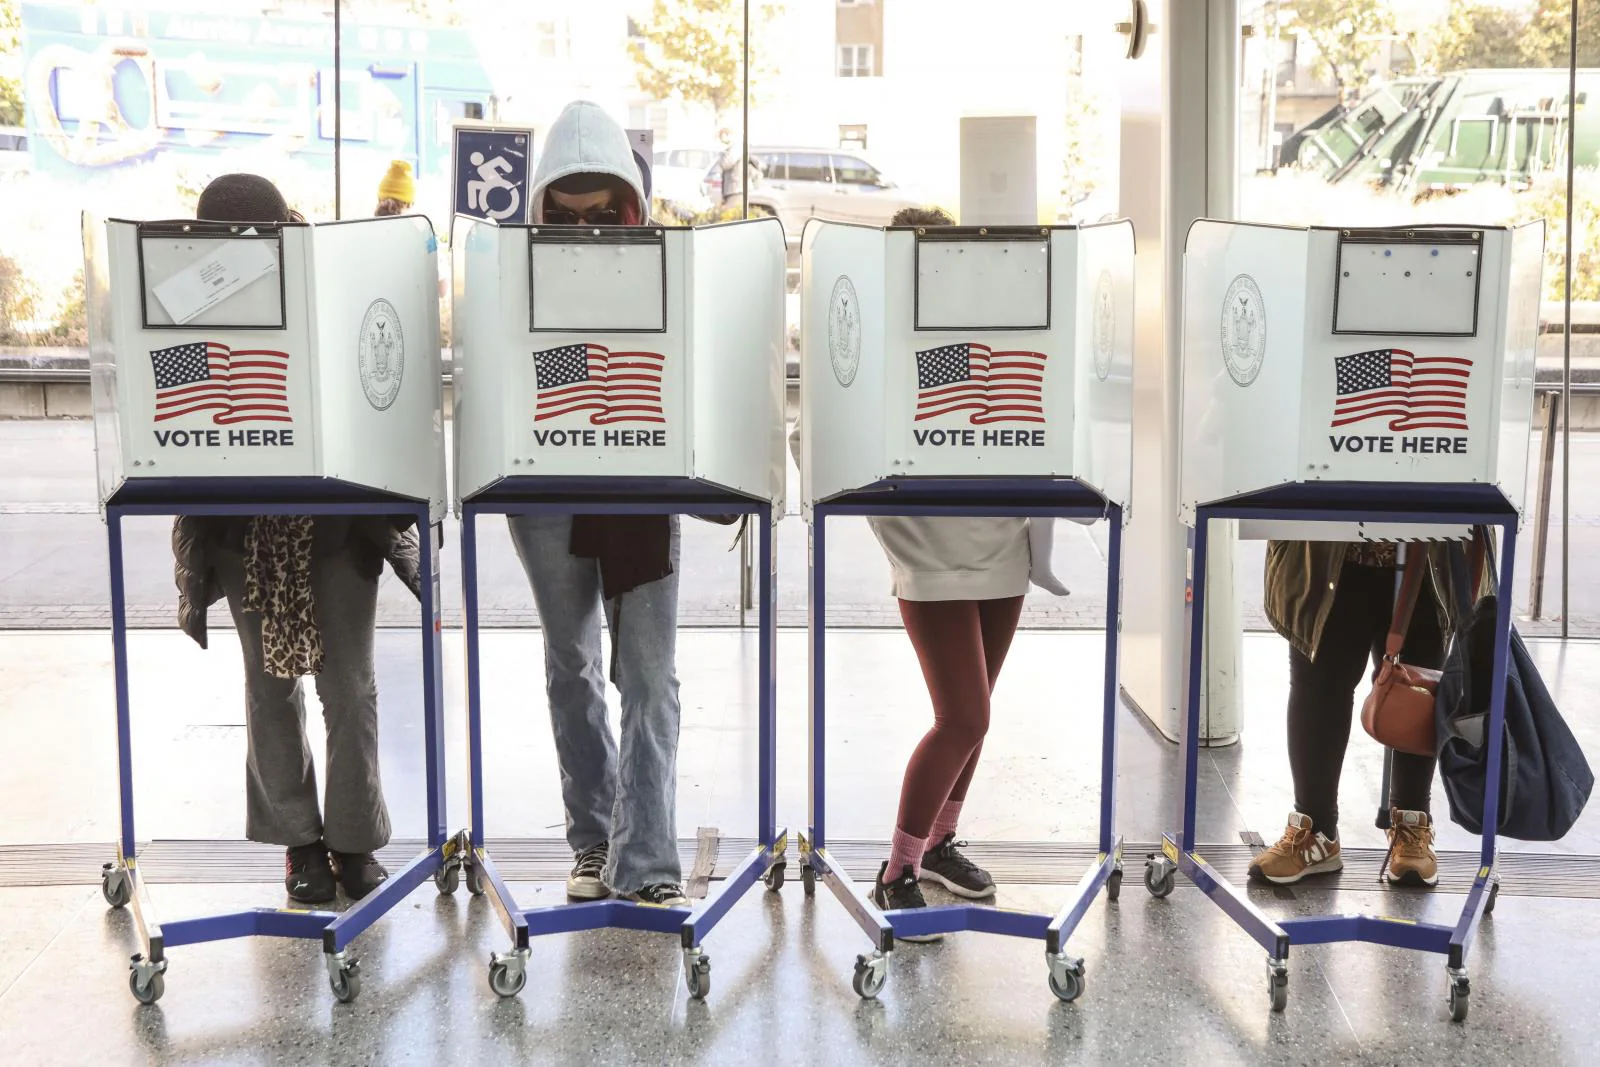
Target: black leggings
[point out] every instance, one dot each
(1322, 692)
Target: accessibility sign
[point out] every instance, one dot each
(493, 170)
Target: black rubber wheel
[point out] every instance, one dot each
(1278, 991)
(119, 896)
(774, 877)
(152, 990)
(1069, 987)
(448, 879)
(808, 880)
(868, 981)
(504, 981)
(1159, 887)
(697, 974)
(1460, 997)
(1494, 897)
(1114, 885)
(346, 984)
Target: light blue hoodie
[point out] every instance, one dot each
(585, 140)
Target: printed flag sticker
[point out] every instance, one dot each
(235, 385)
(1411, 392)
(611, 386)
(993, 386)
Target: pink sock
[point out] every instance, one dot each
(905, 851)
(945, 824)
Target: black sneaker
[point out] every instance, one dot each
(664, 895)
(944, 864)
(359, 873)
(584, 883)
(902, 894)
(307, 875)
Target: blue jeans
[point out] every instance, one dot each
(630, 801)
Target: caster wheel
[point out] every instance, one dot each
(474, 880)
(808, 880)
(774, 877)
(506, 980)
(870, 977)
(116, 887)
(345, 981)
(1460, 994)
(697, 974)
(1067, 982)
(1114, 887)
(447, 878)
(1160, 885)
(1278, 989)
(152, 990)
(1488, 909)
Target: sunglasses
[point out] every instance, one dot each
(561, 216)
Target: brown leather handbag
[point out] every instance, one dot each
(1398, 712)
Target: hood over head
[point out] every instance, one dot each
(585, 140)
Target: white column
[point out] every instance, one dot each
(1178, 123)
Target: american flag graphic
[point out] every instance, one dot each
(611, 386)
(234, 384)
(1412, 392)
(993, 386)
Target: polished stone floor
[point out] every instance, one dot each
(1169, 981)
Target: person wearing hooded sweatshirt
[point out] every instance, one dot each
(303, 593)
(620, 802)
(960, 583)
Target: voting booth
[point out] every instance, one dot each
(974, 371)
(620, 352)
(270, 369)
(967, 352)
(1361, 385)
(1362, 355)
(620, 370)
(283, 351)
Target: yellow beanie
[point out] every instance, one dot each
(398, 183)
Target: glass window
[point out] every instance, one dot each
(848, 170)
(855, 61)
(809, 167)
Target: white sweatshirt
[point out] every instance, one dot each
(948, 558)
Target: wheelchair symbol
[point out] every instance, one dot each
(492, 177)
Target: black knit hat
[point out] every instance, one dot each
(242, 198)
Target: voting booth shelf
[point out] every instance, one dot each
(1354, 384)
(268, 370)
(620, 370)
(972, 371)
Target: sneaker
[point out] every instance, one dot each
(944, 864)
(662, 895)
(1411, 860)
(307, 875)
(359, 873)
(584, 882)
(1301, 851)
(902, 894)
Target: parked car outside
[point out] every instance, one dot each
(798, 183)
(678, 175)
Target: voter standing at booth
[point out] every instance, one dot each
(304, 594)
(1333, 602)
(621, 806)
(397, 191)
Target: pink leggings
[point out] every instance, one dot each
(961, 645)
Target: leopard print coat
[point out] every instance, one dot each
(277, 584)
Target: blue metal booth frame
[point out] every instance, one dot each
(978, 497)
(1441, 504)
(122, 882)
(625, 496)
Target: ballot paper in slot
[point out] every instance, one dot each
(270, 351)
(966, 352)
(1395, 355)
(619, 352)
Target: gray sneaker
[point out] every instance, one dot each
(584, 883)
